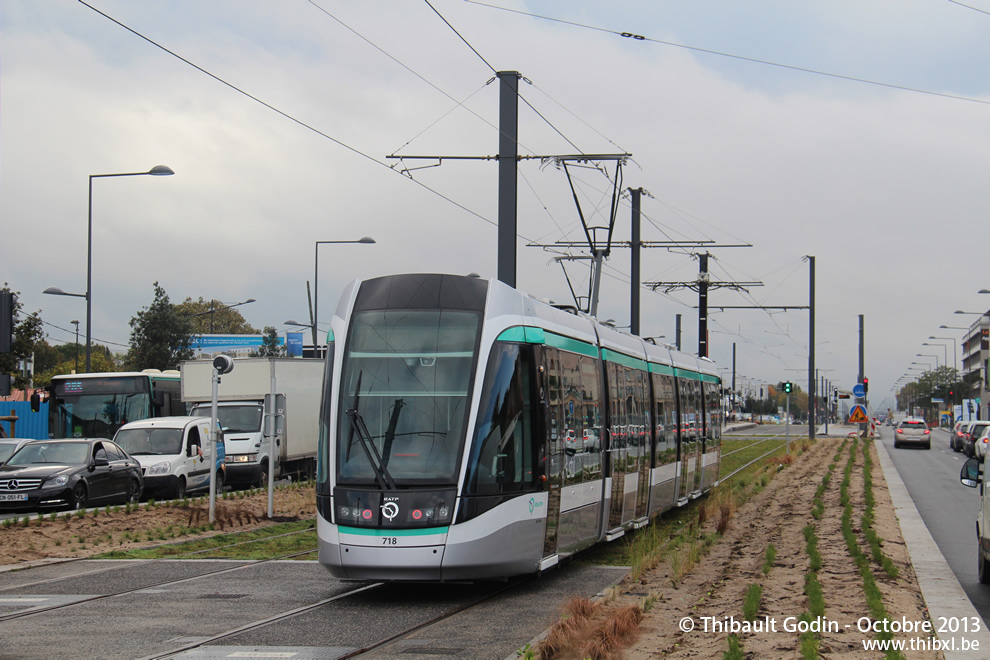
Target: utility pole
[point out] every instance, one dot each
(636, 194)
(703, 280)
(733, 371)
(701, 285)
(677, 333)
(508, 153)
(812, 399)
(862, 364)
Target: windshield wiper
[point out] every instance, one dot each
(390, 431)
(382, 476)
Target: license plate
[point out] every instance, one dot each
(13, 497)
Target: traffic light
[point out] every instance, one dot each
(788, 387)
(866, 384)
(6, 321)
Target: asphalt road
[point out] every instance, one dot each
(947, 507)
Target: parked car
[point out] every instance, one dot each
(957, 436)
(980, 443)
(72, 473)
(174, 454)
(8, 446)
(570, 442)
(913, 431)
(973, 431)
(592, 441)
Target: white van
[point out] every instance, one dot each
(174, 454)
(973, 475)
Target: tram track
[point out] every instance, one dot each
(124, 592)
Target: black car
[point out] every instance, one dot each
(71, 473)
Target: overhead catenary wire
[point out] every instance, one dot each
(290, 117)
(754, 60)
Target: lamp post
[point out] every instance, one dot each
(945, 350)
(367, 240)
(76, 323)
(214, 308)
(157, 170)
(955, 361)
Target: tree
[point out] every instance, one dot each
(61, 359)
(160, 336)
(28, 333)
(269, 345)
(213, 317)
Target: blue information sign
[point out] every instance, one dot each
(859, 390)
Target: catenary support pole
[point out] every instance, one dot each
(812, 399)
(703, 305)
(636, 194)
(508, 158)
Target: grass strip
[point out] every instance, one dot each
(874, 597)
(261, 543)
(735, 651)
(868, 516)
(751, 601)
(768, 558)
(812, 586)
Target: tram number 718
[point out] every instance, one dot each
(390, 540)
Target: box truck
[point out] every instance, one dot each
(240, 414)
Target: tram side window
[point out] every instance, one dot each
(713, 411)
(666, 419)
(639, 413)
(503, 452)
(618, 402)
(580, 383)
(555, 414)
(690, 398)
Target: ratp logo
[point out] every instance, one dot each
(534, 504)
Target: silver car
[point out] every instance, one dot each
(981, 440)
(9, 445)
(913, 431)
(974, 430)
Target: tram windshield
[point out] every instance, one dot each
(404, 397)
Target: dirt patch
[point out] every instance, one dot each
(72, 536)
(713, 591)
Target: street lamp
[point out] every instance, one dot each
(157, 170)
(959, 311)
(927, 355)
(213, 308)
(955, 362)
(76, 323)
(945, 350)
(316, 278)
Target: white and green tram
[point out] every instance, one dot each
(470, 431)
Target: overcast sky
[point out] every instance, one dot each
(879, 170)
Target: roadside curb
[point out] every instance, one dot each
(939, 587)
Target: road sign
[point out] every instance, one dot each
(859, 391)
(858, 415)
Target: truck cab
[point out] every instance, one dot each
(247, 450)
(174, 453)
